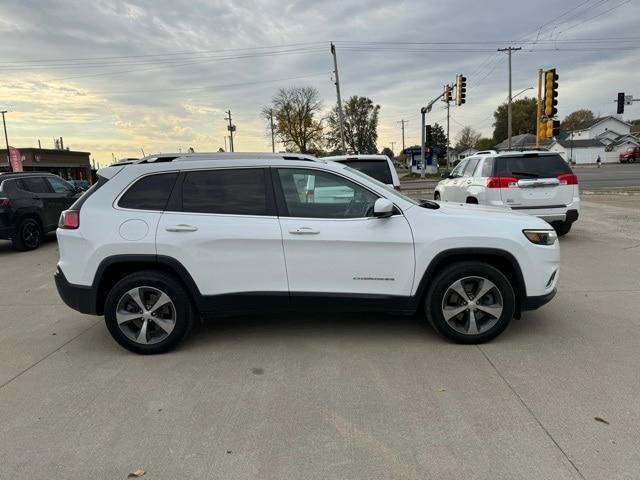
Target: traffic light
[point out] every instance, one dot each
(447, 97)
(461, 89)
(550, 93)
(549, 128)
(620, 102)
(555, 128)
(428, 137)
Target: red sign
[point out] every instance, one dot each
(15, 159)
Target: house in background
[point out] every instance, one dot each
(525, 141)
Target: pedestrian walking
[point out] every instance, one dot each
(598, 161)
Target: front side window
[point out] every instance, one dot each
(150, 192)
(457, 172)
(59, 185)
(316, 194)
(226, 191)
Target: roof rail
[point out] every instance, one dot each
(189, 157)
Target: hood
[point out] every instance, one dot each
(490, 214)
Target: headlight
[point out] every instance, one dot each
(541, 237)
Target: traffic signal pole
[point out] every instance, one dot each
(538, 108)
(424, 111)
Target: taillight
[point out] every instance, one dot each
(4, 202)
(568, 179)
(69, 220)
(502, 182)
(397, 188)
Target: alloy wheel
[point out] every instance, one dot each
(472, 305)
(146, 315)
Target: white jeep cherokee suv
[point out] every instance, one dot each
(158, 243)
(537, 183)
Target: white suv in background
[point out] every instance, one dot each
(158, 243)
(537, 183)
(379, 167)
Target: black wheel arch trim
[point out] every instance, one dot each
(441, 257)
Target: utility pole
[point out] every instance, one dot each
(6, 138)
(273, 136)
(402, 122)
(509, 50)
(392, 147)
(231, 129)
(337, 82)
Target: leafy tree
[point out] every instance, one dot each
(295, 110)
(388, 152)
(467, 138)
(439, 139)
(523, 119)
(360, 125)
(485, 144)
(575, 118)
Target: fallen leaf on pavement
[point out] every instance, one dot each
(601, 420)
(136, 474)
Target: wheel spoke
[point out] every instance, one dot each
(484, 289)
(135, 296)
(142, 335)
(459, 289)
(473, 326)
(162, 300)
(164, 324)
(493, 310)
(123, 316)
(453, 311)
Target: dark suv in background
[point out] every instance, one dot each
(30, 206)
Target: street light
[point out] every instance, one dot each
(530, 88)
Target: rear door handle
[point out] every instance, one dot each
(181, 228)
(304, 231)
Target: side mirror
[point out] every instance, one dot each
(382, 208)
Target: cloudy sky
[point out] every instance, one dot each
(115, 77)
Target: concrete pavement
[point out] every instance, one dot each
(346, 396)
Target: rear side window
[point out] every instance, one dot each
(34, 185)
(233, 192)
(543, 166)
(378, 169)
(471, 166)
(487, 167)
(149, 193)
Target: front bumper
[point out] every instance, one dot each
(533, 303)
(78, 297)
(7, 233)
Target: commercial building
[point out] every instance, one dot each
(68, 164)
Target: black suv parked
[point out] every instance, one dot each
(30, 206)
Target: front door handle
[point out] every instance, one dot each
(304, 231)
(181, 228)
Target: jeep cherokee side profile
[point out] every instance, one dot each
(155, 245)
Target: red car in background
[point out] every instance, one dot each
(631, 155)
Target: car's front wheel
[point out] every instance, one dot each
(470, 302)
(148, 312)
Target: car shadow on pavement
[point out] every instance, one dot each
(6, 248)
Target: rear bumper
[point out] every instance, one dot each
(533, 303)
(555, 215)
(78, 297)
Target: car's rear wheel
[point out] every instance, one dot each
(470, 302)
(28, 235)
(562, 228)
(148, 312)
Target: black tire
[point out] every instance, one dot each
(562, 228)
(458, 271)
(436, 196)
(28, 235)
(164, 283)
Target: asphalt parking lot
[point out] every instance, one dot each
(346, 396)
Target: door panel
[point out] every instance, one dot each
(334, 245)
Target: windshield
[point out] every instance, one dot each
(381, 185)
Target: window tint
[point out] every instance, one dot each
(35, 185)
(236, 192)
(471, 166)
(150, 192)
(378, 169)
(59, 185)
(457, 172)
(543, 166)
(487, 167)
(315, 194)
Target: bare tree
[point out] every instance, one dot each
(467, 138)
(295, 110)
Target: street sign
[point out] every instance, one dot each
(628, 99)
